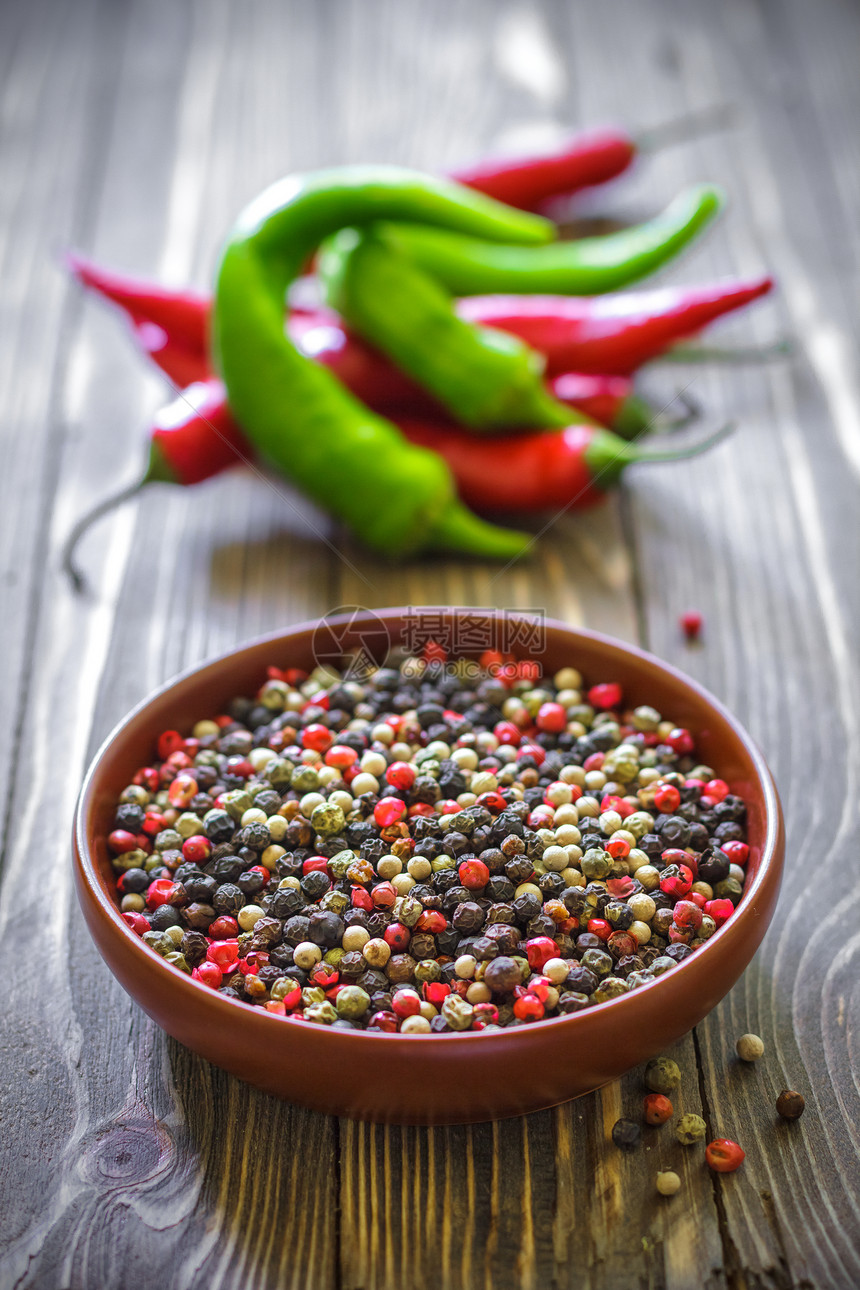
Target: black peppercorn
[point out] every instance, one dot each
(163, 917)
(527, 906)
(502, 975)
(790, 1104)
(581, 980)
(197, 915)
(228, 899)
(194, 946)
(519, 870)
(713, 866)
(325, 928)
(626, 1134)
(468, 917)
(315, 884)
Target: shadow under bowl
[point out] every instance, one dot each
(430, 1079)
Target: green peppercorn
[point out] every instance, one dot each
(662, 1075)
(237, 802)
(595, 864)
(352, 1002)
(610, 988)
(281, 987)
(730, 888)
(327, 819)
(279, 772)
(457, 1012)
(339, 863)
(312, 994)
(323, 1013)
(158, 941)
(598, 962)
(304, 779)
(689, 1129)
(178, 960)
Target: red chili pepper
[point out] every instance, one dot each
(613, 333)
(599, 337)
(527, 182)
(170, 326)
(588, 158)
(537, 472)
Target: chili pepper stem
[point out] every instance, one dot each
(157, 471)
(607, 458)
(783, 348)
(691, 125)
(459, 530)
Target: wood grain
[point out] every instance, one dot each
(134, 131)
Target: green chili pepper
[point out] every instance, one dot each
(485, 377)
(396, 497)
(587, 267)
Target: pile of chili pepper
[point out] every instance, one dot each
(396, 387)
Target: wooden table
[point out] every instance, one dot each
(135, 131)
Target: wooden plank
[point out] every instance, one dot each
(780, 650)
(148, 1163)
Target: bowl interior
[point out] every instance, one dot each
(204, 691)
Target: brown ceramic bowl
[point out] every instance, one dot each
(431, 1079)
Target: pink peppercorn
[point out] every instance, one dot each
(196, 849)
(223, 952)
(400, 775)
(137, 923)
(724, 1156)
(384, 1020)
(317, 737)
(606, 695)
(435, 992)
(680, 741)
(507, 733)
(169, 741)
(210, 974)
(678, 883)
(406, 1003)
(397, 936)
(121, 840)
(539, 951)
(161, 892)
(720, 910)
(383, 895)
(474, 874)
(224, 927)
(691, 624)
(687, 914)
(667, 798)
(388, 811)
(528, 1008)
(738, 852)
(551, 717)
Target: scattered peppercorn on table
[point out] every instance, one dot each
(136, 132)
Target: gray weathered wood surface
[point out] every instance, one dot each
(135, 131)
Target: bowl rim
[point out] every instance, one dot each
(191, 990)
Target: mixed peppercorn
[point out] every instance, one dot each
(434, 848)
